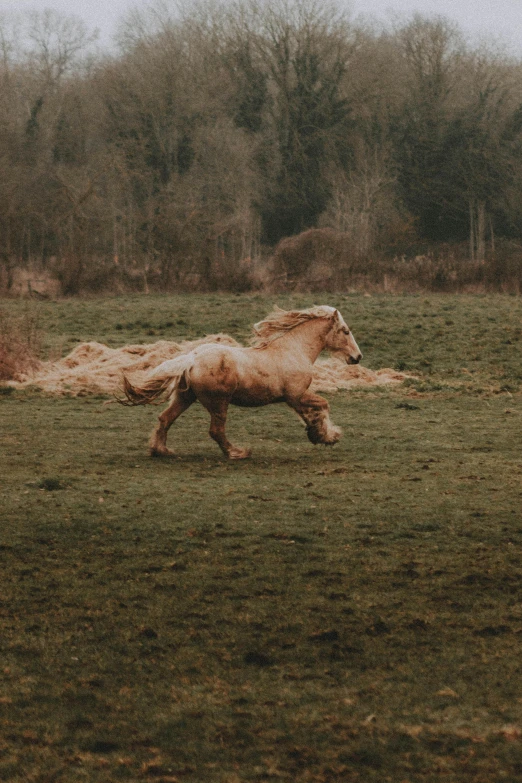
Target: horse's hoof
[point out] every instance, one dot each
(332, 441)
(334, 436)
(237, 453)
(161, 452)
(328, 438)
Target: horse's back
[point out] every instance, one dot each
(215, 369)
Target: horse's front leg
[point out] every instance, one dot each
(315, 412)
(218, 416)
(158, 440)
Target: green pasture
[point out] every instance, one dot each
(308, 615)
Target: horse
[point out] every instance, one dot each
(277, 366)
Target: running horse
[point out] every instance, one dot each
(276, 367)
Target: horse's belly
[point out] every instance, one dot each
(253, 392)
(234, 373)
(256, 386)
(254, 398)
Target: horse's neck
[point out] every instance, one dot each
(307, 339)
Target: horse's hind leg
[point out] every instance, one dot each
(158, 441)
(315, 412)
(218, 416)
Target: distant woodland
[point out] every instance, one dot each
(240, 145)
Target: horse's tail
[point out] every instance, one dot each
(169, 376)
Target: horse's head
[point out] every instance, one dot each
(340, 341)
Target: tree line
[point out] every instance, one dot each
(210, 135)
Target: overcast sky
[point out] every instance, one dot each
(490, 20)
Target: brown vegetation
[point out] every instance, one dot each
(325, 260)
(19, 346)
(217, 132)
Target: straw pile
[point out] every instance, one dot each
(332, 374)
(94, 368)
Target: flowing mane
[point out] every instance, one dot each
(279, 321)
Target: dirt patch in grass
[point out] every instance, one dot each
(92, 367)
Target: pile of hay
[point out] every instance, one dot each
(333, 374)
(94, 368)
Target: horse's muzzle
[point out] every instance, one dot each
(354, 359)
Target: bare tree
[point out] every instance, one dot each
(56, 44)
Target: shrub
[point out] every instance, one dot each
(325, 260)
(20, 342)
(317, 259)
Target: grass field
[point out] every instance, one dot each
(311, 614)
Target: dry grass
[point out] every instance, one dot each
(20, 343)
